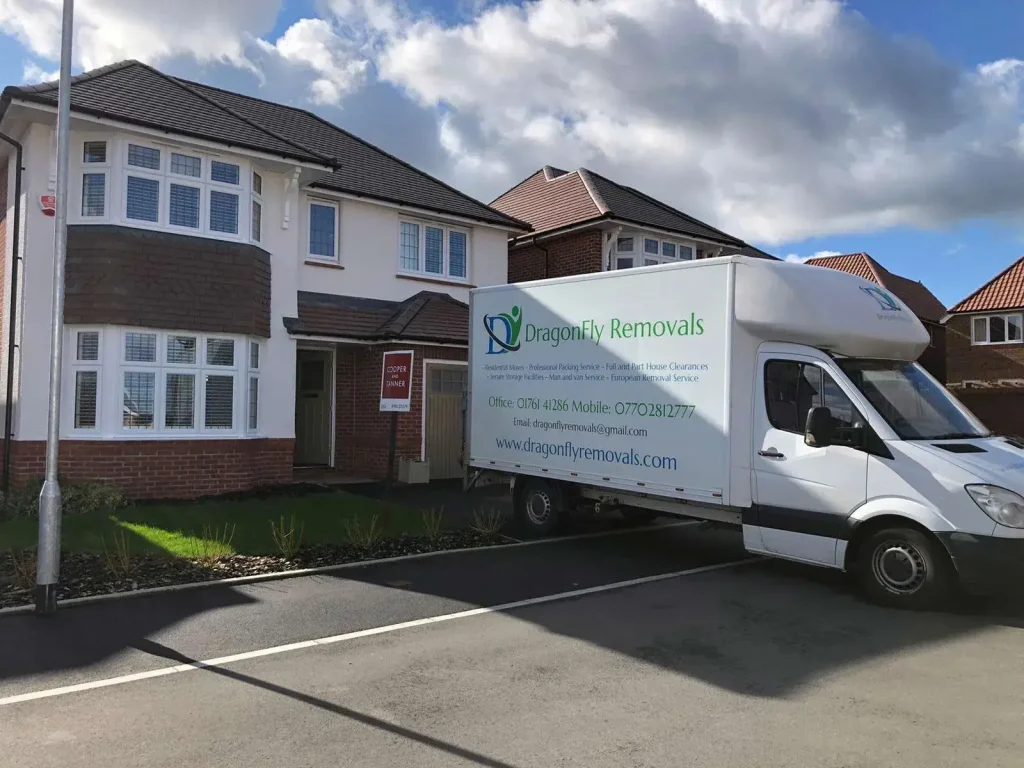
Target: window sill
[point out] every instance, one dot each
(996, 343)
(434, 280)
(157, 438)
(324, 264)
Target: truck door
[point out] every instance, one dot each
(803, 495)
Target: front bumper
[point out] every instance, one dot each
(986, 563)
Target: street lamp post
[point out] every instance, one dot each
(48, 568)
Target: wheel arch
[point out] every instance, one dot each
(893, 513)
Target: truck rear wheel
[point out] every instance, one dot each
(538, 508)
(905, 568)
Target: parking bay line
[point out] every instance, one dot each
(387, 629)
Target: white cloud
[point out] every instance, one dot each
(796, 258)
(774, 119)
(338, 68)
(148, 30)
(33, 73)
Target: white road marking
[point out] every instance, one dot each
(238, 581)
(387, 629)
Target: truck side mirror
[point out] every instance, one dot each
(820, 427)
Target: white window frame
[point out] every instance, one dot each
(238, 190)
(112, 366)
(1019, 316)
(445, 273)
(116, 172)
(253, 374)
(326, 203)
(256, 198)
(83, 168)
(639, 251)
(84, 366)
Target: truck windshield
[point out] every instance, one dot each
(915, 406)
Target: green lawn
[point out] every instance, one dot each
(190, 529)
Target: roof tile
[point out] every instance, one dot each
(1004, 291)
(914, 294)
(427, 316)
(551, 199)
(136, 93)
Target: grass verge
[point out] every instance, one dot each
(182, 529)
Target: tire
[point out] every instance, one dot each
(638, 516)
(905, 568)
(539, 511)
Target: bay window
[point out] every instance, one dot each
(157, 186)
(126, 383)
(636, 250)
(433, 250)
(256, 218)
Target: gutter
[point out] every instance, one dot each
(12, 337)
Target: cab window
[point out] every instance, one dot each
(791, 389)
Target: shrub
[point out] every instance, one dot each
(287, 536)
(364, 537)
(76, 499)
(488, 523)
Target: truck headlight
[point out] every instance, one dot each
(1003, 506)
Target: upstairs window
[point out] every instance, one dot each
(433, 250)
(161, 187)
(997, 329)
(256, 218)
(652, 251)
(94, 179)
(323, 230)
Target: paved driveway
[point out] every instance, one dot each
(650, 659)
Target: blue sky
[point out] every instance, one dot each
(437, 105)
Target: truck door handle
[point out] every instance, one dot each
(771, 453)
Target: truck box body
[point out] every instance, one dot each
(642, 380)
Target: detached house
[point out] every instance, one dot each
(985, 351)
(235, 270)
(913, 293)
(583, 222)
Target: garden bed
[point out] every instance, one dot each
(142, 546)
(85, 574)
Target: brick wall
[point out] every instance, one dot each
(574, 254)
(161, 469)
(362, 432)
(980, 363)
(934, 358)
(1001, 410)
(127, 276)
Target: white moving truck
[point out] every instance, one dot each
(779, 397)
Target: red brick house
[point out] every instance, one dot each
(583, 222)
(913, 293)
(235, 270)
(985, 351)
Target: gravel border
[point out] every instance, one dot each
(86, 577)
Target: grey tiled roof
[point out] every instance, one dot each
(136, 93)
(427, 316)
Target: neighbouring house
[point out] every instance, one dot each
(985, 351)
(235, 270)
(913, 293)
(583, 222)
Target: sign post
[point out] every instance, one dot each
(395, 396)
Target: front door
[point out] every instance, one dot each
(446, 386)
(803, 495)
(312, 407)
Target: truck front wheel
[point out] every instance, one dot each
(904, 568)
(538, 508)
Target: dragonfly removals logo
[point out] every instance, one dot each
(503, 331)
(884, 299)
